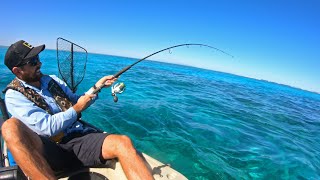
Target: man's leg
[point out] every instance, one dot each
(26, 148)
(121, 147)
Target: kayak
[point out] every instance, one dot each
(159, 170)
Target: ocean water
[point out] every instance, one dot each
(205, 124)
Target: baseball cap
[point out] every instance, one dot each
(20, 52)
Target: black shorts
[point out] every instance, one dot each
(83, 151)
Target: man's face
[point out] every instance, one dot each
(30, 71)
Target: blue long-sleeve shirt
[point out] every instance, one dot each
(37, 119)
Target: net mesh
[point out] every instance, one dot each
(72, 61)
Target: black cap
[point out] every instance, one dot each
(20, 52)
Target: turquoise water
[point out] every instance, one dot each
(206, 124)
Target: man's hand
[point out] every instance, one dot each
(83, 102)
(106, 80)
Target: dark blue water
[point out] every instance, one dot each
(206, 124)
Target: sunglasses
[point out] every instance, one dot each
(33, 62)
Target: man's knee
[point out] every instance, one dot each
(119, 145)
(10, 127)
(125, 143)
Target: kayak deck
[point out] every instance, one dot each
(160, 171)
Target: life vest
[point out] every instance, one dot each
(56, 91)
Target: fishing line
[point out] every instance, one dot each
(120, 87)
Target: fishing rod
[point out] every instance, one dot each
(120, 87)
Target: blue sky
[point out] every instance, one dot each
(274, 40)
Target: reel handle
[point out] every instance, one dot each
(115, 98)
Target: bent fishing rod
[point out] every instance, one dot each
(120, 87)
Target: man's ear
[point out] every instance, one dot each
(16, 70)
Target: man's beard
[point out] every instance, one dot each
(34, 78)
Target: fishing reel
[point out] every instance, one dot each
(117, 88)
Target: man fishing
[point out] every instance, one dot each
(44, 134)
